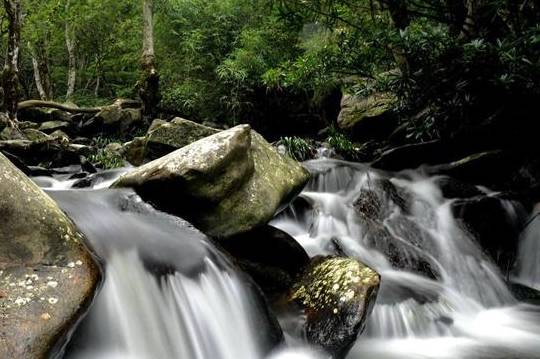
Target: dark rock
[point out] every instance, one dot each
(454, 188)
(336, 295)
(524, 293)
(272, 257)
(414, 155)
(488, 220)
(86, 165)
(82, 141)
(377, 200)
(47, 276)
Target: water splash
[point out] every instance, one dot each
(440, 297)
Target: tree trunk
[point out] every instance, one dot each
(72, 57)
(40, 64)
(37, 78)
(474, 22)
(457, 13)
(399, 14)
(149, 84)
(10, 74)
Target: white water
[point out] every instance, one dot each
(169, 294)
(459, 308)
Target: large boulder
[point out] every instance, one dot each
(164, 137)
(224, 184)
(47, 275)
(368, 117)
(337, 295)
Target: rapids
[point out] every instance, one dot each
(169, 293)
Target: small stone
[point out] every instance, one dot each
(45, 316)
(52, 284)
(53, 300)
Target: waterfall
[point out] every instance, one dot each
(167, 294)
(441, 296)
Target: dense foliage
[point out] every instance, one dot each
(278, 64)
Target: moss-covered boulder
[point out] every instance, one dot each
(47, 275)
(337, 295)
(368, 117)
(224, 184)
(167, 137)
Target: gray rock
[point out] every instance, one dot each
(225, 184)
(47, 275)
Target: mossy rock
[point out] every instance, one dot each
(368, 117)
(225, 184)
(47, 275)
(337, 294)
(164, 138)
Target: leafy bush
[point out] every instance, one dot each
(343, 145)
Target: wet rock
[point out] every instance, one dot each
(524, 293)
(454, 188)
(47, 276)
(368, 117)
(379, 199)
(272, 257)
(488, 219)
(225, 184)
(337, 296)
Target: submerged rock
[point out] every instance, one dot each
(493, 224)
(224, 184)
(47, 276)
(337, 296)
(272, 257)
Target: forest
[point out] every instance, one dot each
(316, 179)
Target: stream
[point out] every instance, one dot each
(169, 293)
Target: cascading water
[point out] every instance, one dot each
(441, 297)
(168, 293)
